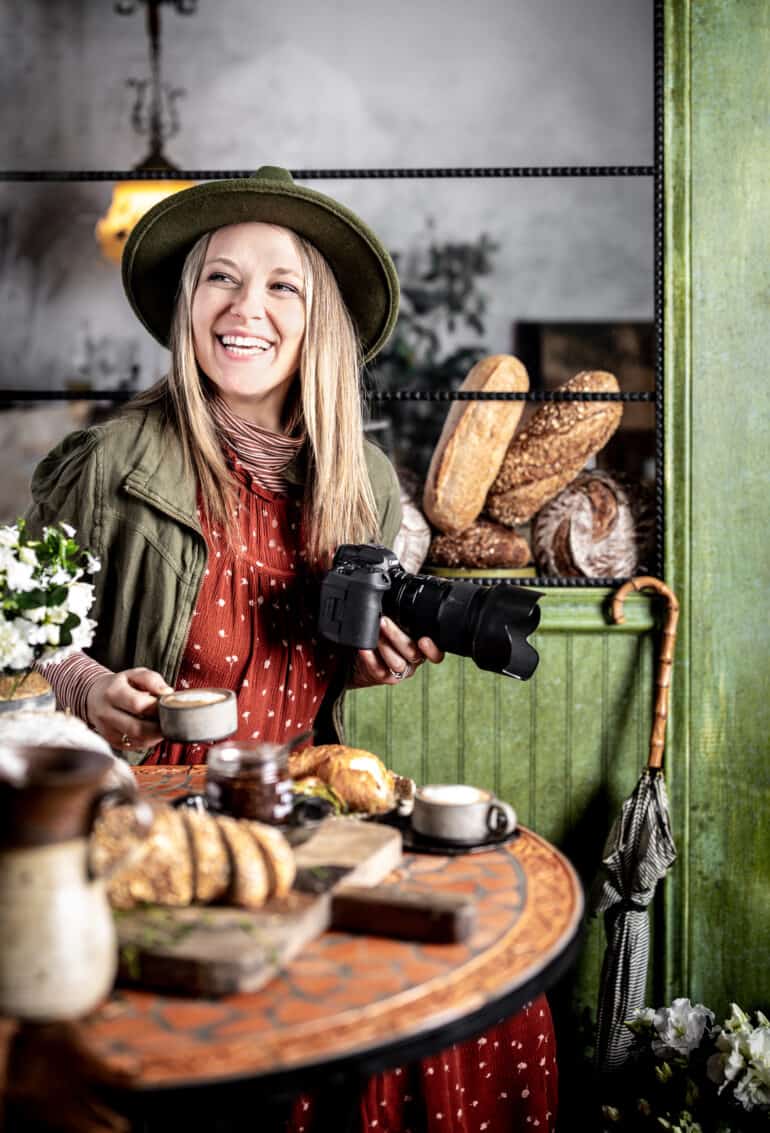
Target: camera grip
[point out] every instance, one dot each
(350, 610)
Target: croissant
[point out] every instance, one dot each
(359, 777)
(192, 857)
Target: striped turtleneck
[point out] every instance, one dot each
(262, 453)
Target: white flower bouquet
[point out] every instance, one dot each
(45, 596)
(688, 1075)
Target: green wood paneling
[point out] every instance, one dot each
(722, 286)
(564, 748)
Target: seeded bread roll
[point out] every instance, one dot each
(481, 545)
(549, 453)
(211, 863)
(277, 856)
(472, 444)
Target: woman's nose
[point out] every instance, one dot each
(248, 303)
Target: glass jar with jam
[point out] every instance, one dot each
(250, 781)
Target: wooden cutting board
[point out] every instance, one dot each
(210, 951)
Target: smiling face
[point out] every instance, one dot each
(248, 318)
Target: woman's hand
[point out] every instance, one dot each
(395, 658)
(122, 707)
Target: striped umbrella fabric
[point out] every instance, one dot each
(638, 852)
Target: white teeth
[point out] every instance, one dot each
(246, 342)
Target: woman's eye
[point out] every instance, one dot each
(218, 277)
(290, 287)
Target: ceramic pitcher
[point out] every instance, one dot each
(58, 949)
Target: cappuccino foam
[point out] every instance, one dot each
(453, 794)
(195, 698)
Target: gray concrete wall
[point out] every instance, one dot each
(342, 84)
(347, 83)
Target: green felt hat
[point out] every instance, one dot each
(157, 247)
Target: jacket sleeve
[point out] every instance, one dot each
(65, 489)
(387, 493)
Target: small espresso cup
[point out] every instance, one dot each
(198, 715)
(456, 812)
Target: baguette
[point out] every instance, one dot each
(473, 443)
(481, 545)
(550, 452)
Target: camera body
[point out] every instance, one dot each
(489, 624)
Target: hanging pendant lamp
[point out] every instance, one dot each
(132, 198)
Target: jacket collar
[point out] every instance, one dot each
(161, 478)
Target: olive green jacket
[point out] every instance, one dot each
(125, 489)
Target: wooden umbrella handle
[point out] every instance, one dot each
(665, 660)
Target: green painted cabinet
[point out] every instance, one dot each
(567, 746)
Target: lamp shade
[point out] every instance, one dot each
(130, 201)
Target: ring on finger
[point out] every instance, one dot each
(405, 672)
(126, 740)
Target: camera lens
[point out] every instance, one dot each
(490, 625)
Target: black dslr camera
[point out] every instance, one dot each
(489, 624)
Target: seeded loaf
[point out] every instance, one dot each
(482, 545)
(550, 452)
(473, 443)
(192, 857)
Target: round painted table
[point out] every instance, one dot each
(351, 1005)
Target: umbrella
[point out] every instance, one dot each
(637, 854)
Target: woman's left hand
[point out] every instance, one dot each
(395, 658)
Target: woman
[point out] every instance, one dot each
(215, 502)
(233, 427)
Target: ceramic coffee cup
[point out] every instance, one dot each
(455, 812)
(198, 715)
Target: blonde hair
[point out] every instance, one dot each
(324, 406)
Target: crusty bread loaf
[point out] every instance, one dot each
(483, 544)
(472, 444)
(277, 855)
(191, 856)
(249, 881)
(211, 864)
(549, 453)
(164, 873)
(600, 526)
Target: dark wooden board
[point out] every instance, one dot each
(213, 951)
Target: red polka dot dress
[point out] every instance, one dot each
(504, 1081)
(254, 625)
(254, 631)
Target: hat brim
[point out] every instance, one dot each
(158, 245)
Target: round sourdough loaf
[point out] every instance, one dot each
(472, 444)
(549, 453)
